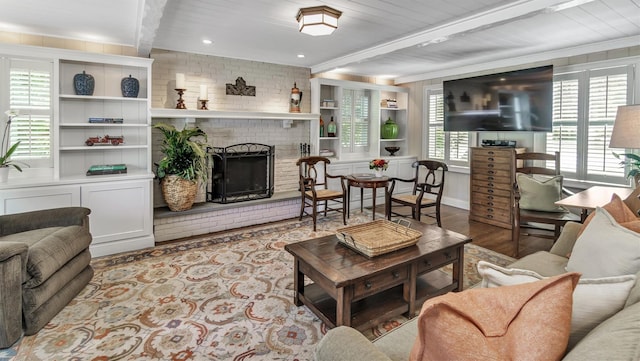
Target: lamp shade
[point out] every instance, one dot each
(318, 20)
(626, 129)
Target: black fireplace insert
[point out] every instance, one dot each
(241, 172)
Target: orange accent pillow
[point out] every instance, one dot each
(529, 321)
(618, 209)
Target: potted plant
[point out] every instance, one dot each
(183, 165)
(633, 161)
(6, 151)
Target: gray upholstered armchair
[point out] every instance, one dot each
(44, 263)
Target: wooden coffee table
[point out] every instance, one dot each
(353, 290)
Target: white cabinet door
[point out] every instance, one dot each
(119, 210)
(37, 198)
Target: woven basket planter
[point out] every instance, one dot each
(178, 192)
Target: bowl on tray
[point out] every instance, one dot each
(392, 150)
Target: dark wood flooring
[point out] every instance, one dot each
(485, 235)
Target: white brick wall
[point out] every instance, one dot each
(273, 88)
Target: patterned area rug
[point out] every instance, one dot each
(218, 297)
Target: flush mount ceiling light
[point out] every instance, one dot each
(318, 20)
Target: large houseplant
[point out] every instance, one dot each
(183, 165)
(633, 161)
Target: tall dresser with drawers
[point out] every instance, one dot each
(492, 178)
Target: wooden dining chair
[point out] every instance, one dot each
(315, 192)
(428, 184)
(536, 190)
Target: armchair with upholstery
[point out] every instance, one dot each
(44, 264)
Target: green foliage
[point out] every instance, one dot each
(183, 156)
(5, 160)
(632, 160)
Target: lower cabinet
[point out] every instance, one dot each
(121, 214)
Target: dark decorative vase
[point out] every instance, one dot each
(390, 129)
(130, 87)
(84, 84)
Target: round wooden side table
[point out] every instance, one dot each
(363, 181)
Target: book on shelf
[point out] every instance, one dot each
(101, 169)
(106, 120)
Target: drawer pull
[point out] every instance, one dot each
(427, 263)
(490, 210)
(490, 165)
(490, 178)
(489, 197)
(491, 172)
(490, 152)
(490, 185)
(490, 190)
(490, 204)
(395, 274)
(490, 159)
(367, 285)
(447, 255)
(490, 216)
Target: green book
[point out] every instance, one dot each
(107, 169)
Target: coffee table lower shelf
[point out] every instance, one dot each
(379, 307)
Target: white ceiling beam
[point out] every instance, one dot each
(484, 19)
(149, 23)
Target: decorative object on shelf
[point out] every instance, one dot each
(296, 98)
(379, 165)
(626, 135)
(388, 103)
(183, 165)
(326, 153)
(392, 150)
(241, 88)
(100, 120)
(180, 104)
(84, 83)
(105, 140)
(332, 128)
(390, 129)
(318, 20)
(465, 98)
(204, 97)
(130, 87)
(5, 150)
(321, 127)
(328, 103)
(103, 169)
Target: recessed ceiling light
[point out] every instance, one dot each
(300, 55)
(207, 42)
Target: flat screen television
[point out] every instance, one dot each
(520, 100)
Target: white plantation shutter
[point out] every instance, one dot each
(451, 147)
(584, 110)
(30, 92)
(355, 121)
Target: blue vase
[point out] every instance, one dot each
(84, 84)
(130, 87)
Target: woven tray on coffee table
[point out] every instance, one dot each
(378, 237)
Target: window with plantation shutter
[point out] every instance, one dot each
(451, 147)
(355, 121)
(30, 93)
(584, 110)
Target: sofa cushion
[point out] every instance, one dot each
(594, 300)
(614, 339)
(49, 249)
(542, 262)
(491, 323)
(397, 343)
(539, 193)
(617, 249)
(620, 212)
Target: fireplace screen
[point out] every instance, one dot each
(241, 172)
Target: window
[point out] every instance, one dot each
(450, 147)
(30, 93)
(355, 122)
(584, 110)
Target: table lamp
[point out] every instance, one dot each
(626, 129)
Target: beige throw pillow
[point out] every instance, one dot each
(529, 321)
(539, 193)
(594, 300)
(605, 248)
